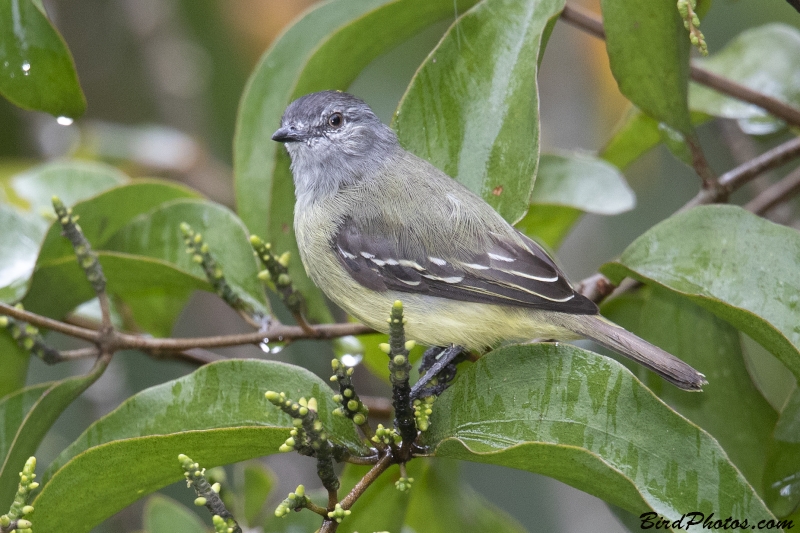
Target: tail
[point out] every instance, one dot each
(620, 340)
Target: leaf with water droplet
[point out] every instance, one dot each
(586, 420)
(730, 407)
(36, 68)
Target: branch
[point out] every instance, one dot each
(125, 341)
(593, 25)
(735, 178)
(596, 287)
(776, 194)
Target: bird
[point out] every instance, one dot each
(375, 224)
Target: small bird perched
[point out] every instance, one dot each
(375, 224)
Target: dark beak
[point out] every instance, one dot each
(288, 134)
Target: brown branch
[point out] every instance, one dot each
(595, 287)
(124, 341)
(776, 194)
(735, 178)
(593, 25)
(362, 485)
(48, 323)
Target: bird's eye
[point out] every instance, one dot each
(335, 120)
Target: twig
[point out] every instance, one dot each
(123, 341)
(593, 25)
(735, 178)
(778, 193)
(595, 287)
(381, 466)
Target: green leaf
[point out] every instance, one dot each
(472, 108)
(441, 504)
(638, 133)
(782, 478)
(382, 507)
(560, 411)
(135, 231)
(216, 415)
(567, 186)
(27, 416)
(19, 242)
(36, 69)
(258, 483)
(157, 235)
(437, 502)
(713, 347)
(649, 53)
(339, 32)
(376, 361)
(765, 59)
(108, 212)
(14, 362)
(72, 181)
(165, 515)
(739, 266)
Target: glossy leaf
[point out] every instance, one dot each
(27, 415)
(216, 415)
(156, 235)
(584, 419)
(165, 515)
(135, 230)
(567, 186)
(105, 214)
(36, 69)
(782, 478)
(472, 108)
(72, 181)
(19, 241)
(713, 347)
(736, 265)
(649, 53)
(339, 32)
(766, 59)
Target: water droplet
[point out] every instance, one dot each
(350, 360)
(65, 121)
(270, 347)
(26, 67)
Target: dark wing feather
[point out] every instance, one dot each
(505, 273)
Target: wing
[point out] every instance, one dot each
(505, 271)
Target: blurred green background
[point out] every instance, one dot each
(163, 80)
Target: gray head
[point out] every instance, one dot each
(334, 140)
